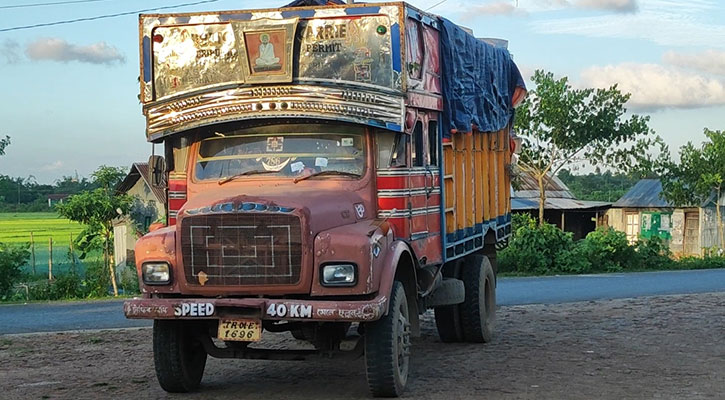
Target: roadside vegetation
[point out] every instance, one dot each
(544, 249)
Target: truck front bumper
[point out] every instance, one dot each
(265, 309)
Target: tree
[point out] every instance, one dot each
(4, 142)
(561, 125)
(699, 176)
(97, 209)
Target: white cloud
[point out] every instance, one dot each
(620, 6)
(710, 61)
(55, 49)
(52, 166)
(664, 22)
(495, 8)
(10, 50)
(655, 87)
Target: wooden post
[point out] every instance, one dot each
(32, 252)
(50, 258)
(72, 255)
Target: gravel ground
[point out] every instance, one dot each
(667, 347)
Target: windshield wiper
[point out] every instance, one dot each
(250, 172)
(329, 172)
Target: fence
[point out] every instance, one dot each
(54, 255)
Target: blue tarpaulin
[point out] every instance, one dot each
(479, 81)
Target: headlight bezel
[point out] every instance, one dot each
(327, 265)
(151, 264)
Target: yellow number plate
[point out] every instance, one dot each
(242, 330)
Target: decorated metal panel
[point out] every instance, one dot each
(186, 52)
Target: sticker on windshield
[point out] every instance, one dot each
(320, 162)
(347, 142)
(297, 166)
(275, 144)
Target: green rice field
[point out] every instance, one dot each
(16, 228)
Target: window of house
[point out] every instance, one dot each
(632, 228)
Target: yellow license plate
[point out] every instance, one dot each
(242, 330)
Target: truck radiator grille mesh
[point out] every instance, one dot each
(239, 249)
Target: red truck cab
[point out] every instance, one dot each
(317, 184)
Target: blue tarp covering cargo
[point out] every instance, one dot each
(478, 82)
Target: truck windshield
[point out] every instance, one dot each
(287, 150)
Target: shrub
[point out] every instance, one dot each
(607, 250)
(11, 259)
(652, 253)
(540, 249)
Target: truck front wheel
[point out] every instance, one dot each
(387, 347)
(178, 356)
(478, 310)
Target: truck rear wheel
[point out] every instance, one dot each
(179, 357)
(387, 347)
(478, 311)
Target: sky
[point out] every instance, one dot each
(70, 91)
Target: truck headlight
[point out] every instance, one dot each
(339, 275)
(156, 273)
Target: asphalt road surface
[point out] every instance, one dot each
(107, 314)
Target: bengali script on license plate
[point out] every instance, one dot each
(243, 330)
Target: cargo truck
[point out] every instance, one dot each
(332, 171)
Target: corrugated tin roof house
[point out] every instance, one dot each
(642, 212)
(561, 208)
(149, 206)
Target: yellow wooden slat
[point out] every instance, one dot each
(478, 176)
(460, 177)
(470, 176)
(485, 176)
(501, 173)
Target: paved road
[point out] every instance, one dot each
(40, 317)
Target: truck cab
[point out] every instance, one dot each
(319, 182)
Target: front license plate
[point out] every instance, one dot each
(242, 330)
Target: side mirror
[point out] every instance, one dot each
(157, 171)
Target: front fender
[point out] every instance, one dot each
(158, 246)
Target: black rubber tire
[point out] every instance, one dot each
(478, 310)
(448, 318)
(178, 357)
(387, 348)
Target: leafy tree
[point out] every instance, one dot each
(4, 142)
(597, 186)
(11, 259)
(97, 209)
(562, 125)
(699, 176)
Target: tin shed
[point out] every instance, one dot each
(561, 207)
(642, 212)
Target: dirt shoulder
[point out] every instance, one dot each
(668, 347)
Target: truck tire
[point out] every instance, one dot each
(478, 310)
(179, 358)
(448, 318)
(387, 347)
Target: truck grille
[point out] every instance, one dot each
(241, 249)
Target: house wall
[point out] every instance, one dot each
(708, 227)
(145, 210)
(670, 225)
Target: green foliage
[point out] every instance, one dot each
(700, 172)
(546, 250)
(12, 258)
(539, 249)
(607, 250)
(4, 142)
(598, 186)
(562, 125)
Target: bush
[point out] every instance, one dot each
(653, 254)
(11, 259)
(541, 249)
(607, 250)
